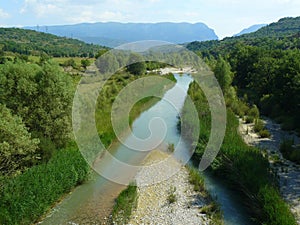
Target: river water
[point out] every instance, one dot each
(91, 203)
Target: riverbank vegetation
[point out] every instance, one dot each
(212, 209)
(242, 166)
(125, 203)
(29, 195)
(290, 151)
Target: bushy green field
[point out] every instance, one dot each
(28, 196)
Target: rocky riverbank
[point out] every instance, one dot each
(287, 171)
(171, 201)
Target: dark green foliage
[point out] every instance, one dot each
(136, 64)
(223, 74)
(28, 196)
(41, 95)
(125, 203)
(290, 151)
(17, 148)
(151, 65)
(30, 42)
(138, 68)
(259, 125)
(264, 134)
(266, 67)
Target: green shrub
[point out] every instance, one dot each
(171, 147)
(289, 151)
(286, 145)
(253, 112)
(295, 155)
(264, 133)
(125, 204)
(239, 107)
(25, 198)
(258, 125)
(171, 196)
(249, 119)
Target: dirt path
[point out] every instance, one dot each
(287, 171)
(153, 204)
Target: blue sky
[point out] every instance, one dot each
(226, 17)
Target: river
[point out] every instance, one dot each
(91, 203)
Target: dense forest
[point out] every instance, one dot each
(28, 42)
(265, 66)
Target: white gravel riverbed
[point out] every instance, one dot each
(153, 206)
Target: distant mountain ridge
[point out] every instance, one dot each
(251, 29)
(112, 34)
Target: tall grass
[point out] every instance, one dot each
(28, 196)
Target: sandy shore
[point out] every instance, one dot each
(287, 171)
(166, 70)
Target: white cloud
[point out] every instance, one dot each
(225, 16)
(43, 8)
(3, 14)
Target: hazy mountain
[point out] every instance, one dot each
(250, 29)
(112, 33)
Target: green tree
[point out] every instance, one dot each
(42, 96)
(52, 107)
(85, 63)
(17, 148)
(223, 74)
(136, 65)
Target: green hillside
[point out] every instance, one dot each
(282, 35)
(30, 42)
(284, 27)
